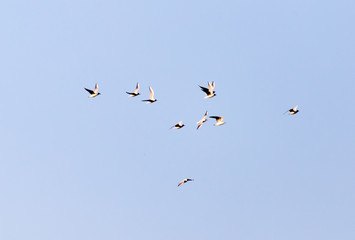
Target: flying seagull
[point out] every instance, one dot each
(202, 120)
(135, 93)
(219, 120)
(209, 91)
(292, 110)
(184, 181)
(93, 93)
(178, 125)
(151, 97)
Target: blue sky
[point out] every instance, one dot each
(107, 168)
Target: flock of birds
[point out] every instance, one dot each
(209, 91)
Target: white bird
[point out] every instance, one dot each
(184, 181)
(219, 120)
(209, 91)
(151, 97)
(135, 93)
(202, 120)
(178, 125)
(95, 92)
(293, 110)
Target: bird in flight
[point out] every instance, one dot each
(202, 120)
(219, 120)
(209, 91)
(292, 110)
(178, 125)
(95, 92)
(184, 181)
(151, 97)
(135, 93)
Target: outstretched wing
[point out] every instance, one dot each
(205, 90)
(215, 117)
(90, 91)
(96, 88)
(137, 88)
(180, 183)
(151, 96)
(218, 119)
(202, 120)
(210, 87)
(206, 114)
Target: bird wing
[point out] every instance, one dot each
(206, 114)
(202, 120)
(137, 88)
(90, 91)
(218, 119)
(215, 117)
(180, 183)
(295, 108)
(151, 96)
(96, 88)
(211, 87)
(205, 90)
(180, 123)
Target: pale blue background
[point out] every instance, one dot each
(107, 168)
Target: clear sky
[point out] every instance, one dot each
(72, 167)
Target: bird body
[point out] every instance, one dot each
(93, 93)
(202, 120)
(184, 181)
(178, 125)
(135, 92)
(219, 120)
(151, 97)
(209, 91)
(293, 111)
